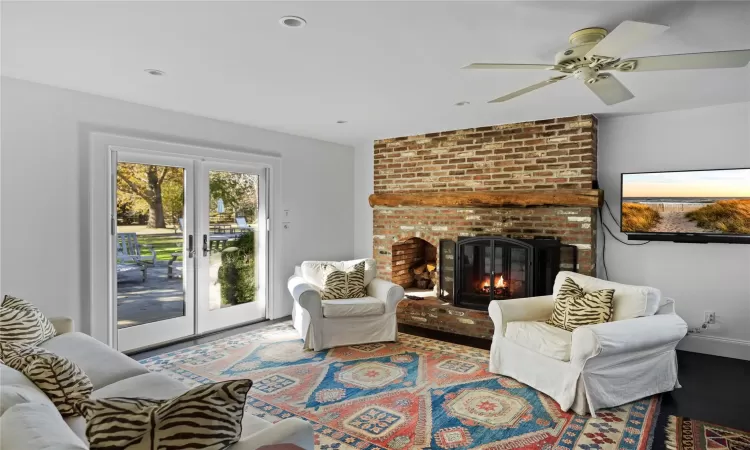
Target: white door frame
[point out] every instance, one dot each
(148, 334)
(99, 311)
(211, 320)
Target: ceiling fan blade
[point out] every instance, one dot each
(708, 60)
(610, 90)
(627, 35)
(533, 87)
(511, 66)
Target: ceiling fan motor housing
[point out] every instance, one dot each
(581, 42)
(586, 74)
(573, 55)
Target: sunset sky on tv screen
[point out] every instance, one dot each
(733, 183)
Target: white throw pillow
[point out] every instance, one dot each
(629, 301)
(314, 272)
(37, 426)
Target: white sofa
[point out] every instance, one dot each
(596, 366)
(325, 324)
(113, 375)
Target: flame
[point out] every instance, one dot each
(499, 283)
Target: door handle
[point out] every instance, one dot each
(205, 245)
(191, 248)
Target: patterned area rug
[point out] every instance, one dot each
(415, 394)
(688, 434)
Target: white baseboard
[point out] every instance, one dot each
(714, 345)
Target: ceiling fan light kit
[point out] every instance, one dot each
(594, 52)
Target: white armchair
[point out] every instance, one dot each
(325, 324)
(595, 366)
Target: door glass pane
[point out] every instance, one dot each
(476, 268)
(150, 243)
(447, 261)
(233, 238)
(500, 283)
(518, 272)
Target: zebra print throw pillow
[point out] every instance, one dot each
(575, 308)
(17, 356)
(341, 285)
(23, 323)
(568, 290)
(60, 379)
(208, 417)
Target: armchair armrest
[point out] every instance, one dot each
(63, 324)
(387, 292)
(627, 336)
(520, 309)
(306, 296)
(288, 431)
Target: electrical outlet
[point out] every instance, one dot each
(710, 317)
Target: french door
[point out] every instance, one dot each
(189, 246)
(232, 269)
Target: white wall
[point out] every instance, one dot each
(363, 187)
(701, 277)
(44, 187)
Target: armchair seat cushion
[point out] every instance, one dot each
(353, 307)
(542, 338)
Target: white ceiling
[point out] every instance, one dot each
(389, 68)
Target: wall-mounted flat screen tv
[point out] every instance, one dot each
(697, 203)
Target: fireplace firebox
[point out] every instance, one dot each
(477, 270)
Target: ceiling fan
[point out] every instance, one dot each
(594, 52)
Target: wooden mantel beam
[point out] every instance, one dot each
(591, 198)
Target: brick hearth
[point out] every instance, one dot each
(545, 154)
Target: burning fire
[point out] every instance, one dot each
(499, 283)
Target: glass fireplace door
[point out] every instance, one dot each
(518, 273)
(476, 262)
(492, 269)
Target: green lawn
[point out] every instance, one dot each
(163, 245)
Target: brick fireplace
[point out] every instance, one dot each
(545, 155)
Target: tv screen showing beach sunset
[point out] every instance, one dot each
(706, 201)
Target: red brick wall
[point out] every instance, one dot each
(545, 154)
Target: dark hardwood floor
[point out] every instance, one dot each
(714, 389)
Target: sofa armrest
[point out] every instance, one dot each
(520, 310)
(63, 324)
(387, 292)
(288, 431)
(306, 296)
(629, 336)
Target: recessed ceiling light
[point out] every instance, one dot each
(292, 21)
(341, 121)
(155, 72)
(463, 103)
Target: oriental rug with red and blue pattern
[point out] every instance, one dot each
(417, 393)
